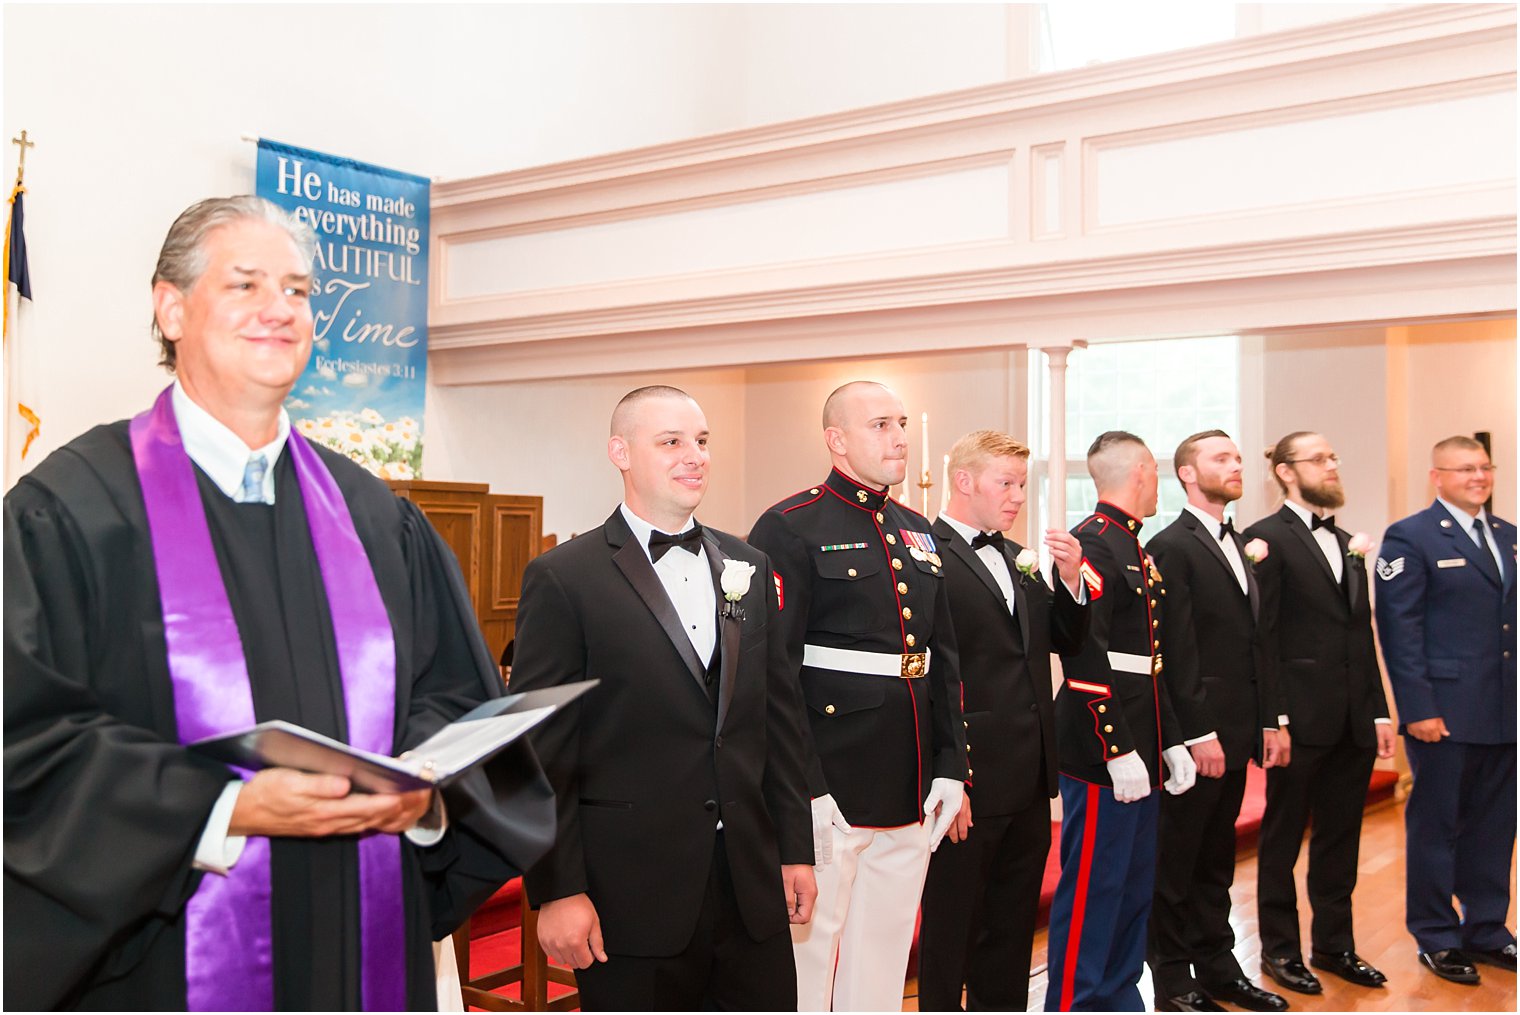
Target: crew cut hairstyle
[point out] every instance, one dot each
(627, 402)
(1187, 451)
(1457, 443)
(1281, 453)
(973, 451)
(1103, 462)
(182, 259)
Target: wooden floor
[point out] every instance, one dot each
(1380, 935)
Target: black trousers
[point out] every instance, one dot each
(1190, 943)
(981, 901)
(722, 969)
(1328, 786)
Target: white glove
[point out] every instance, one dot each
(1132, 780)
(826, 816)
(1184, 770)
(947, 795)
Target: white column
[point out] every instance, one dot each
(1056, 428)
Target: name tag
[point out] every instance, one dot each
(1454, 562)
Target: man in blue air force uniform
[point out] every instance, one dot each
(1446, 619)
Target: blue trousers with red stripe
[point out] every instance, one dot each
(1103, 900)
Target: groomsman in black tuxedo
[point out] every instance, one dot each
(1317, 624)
(1227, 708)
(684, 844)
(982, 896)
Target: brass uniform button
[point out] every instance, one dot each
(1139, 592)
(911, 641)
(860, 495)
(897, 563)
(902, 588)
(829, 709)
(891, 539)
(969, 773)
(880, 517)
(1153, 602)
(907, 613)
(1155, 623)
(1108, 729)
(1114, 749)
(1102, 708)
(814, 490)
(965, 724)
(1155, 644)
(851, 572)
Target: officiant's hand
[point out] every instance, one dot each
(284, 802)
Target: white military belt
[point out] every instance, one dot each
(1131, 662)
(907, 666)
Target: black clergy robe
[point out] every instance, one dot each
(104, 808)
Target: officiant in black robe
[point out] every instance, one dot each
(340, 610)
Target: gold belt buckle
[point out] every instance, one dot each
(913, 665)
(1156, 665)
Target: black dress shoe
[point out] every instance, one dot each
(1244, 994)
(1291, 973)
(1349, 967)
(1504, 957)
(1450, 964)
(1193, 1000)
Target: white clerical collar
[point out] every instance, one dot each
(1304, 514)
(1210, 523)
(641, 529)
(220, 453)
(1462, 516)
(967, 532)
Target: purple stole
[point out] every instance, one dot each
(229, 957)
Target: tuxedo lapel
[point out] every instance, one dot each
(1020, 600)
(969, 557)
(1253, 591)
(1351, 572)
(1207, 539)
(631, 559)
(729, 631)
(1299, 529)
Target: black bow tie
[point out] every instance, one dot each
(1226, 527)
(690, 541)
(982, 539)
(1327, 522)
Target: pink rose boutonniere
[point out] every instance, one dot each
(1256, 551)
(1359, 546)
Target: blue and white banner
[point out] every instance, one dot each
(362, 393)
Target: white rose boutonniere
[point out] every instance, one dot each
(1028, 562)
(735, 583)
(1256, 551)
(1359, 546)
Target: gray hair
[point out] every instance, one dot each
(182, 259)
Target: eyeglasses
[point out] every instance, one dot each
(1469, 471)
(1318, 461)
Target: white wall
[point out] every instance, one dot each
(136, 111)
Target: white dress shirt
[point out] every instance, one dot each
(989, 555)
(688, 581)
(1465, 523)
(223, 457)
(1324, 537)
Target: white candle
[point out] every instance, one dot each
(944, 479)
(924, 448)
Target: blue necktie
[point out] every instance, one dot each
(253, 479)
(1489, 564)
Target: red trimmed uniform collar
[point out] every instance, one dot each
(851, 492)
(1126, 521)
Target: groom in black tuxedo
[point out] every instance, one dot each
(1227, 706)
(982, 897)
(684, 844)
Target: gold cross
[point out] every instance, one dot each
(22, 143)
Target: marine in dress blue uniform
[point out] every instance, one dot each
(1446, 621)
(1112, 712)
(861, 587)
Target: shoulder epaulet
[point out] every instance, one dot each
(1103, 522)
(801, 498)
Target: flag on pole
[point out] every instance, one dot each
(22, 424)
